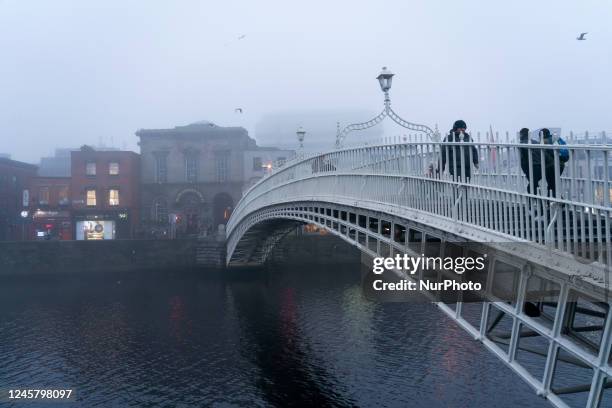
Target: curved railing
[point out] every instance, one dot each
(569, 210)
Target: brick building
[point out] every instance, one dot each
(105, 191)
(15, 179)
(50, 208)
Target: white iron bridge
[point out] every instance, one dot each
(545, 305)
(540, 213)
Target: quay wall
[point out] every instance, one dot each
(57, 257)
(74, 257)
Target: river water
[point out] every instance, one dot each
(288, 336)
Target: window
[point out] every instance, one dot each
(113, 197)
(222, 166)
(62, 195)
(43, 196)
(91, 198)
(113, 168)
(161, 167)
(257, 164)
(90, 169)
(191, 167)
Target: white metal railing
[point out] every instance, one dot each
(486, 185)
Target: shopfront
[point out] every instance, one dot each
(103, 226)
(93, 230)
(51, 225)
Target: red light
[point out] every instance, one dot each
(48, 226)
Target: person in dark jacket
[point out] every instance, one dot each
(549, 160)
(536, 159)
(452, 154)
(532, 186)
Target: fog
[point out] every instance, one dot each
(76, 72)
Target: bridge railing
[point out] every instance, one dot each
(483, 184)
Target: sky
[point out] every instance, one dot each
(76, 72)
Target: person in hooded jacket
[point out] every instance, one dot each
(451, 155)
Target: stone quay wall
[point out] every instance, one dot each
(58, 257)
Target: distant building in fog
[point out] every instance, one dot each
(260, 161)
(15, 177)
(193, 175)
(57, 165)
(278, 129)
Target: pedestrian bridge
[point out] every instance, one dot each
(549, 247)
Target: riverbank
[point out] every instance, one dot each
(62, 257)
(68, 257)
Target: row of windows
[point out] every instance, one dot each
(62, 195)
(7, 182)
(222, 166)
(91, 197)
(91, 168)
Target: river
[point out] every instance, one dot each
(287, 336)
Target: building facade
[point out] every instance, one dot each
(192, 176)
(50, 208)
(261, 160)
(105, 189)
(15, 179)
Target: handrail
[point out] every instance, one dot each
(580, 202)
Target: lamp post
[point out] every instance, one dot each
(300, 132)
(385, 79)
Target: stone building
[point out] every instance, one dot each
(192, 176)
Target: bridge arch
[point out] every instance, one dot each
(555, 247)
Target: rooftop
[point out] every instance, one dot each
(202, 126)
(14, 163)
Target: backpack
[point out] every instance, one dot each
(563, 153)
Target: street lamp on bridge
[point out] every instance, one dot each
(300, 132)
(385, 79)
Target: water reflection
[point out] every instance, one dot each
(282, 337)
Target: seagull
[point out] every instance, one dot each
(581, 37)
(240, 37)
(238, 110)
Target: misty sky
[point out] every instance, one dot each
(75, 72)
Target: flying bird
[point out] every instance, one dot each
(581, 37)
(238, 110)
(240, 37)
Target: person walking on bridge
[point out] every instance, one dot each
(549, 160)
(536, 161)
(533, 177)
(459, 158)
